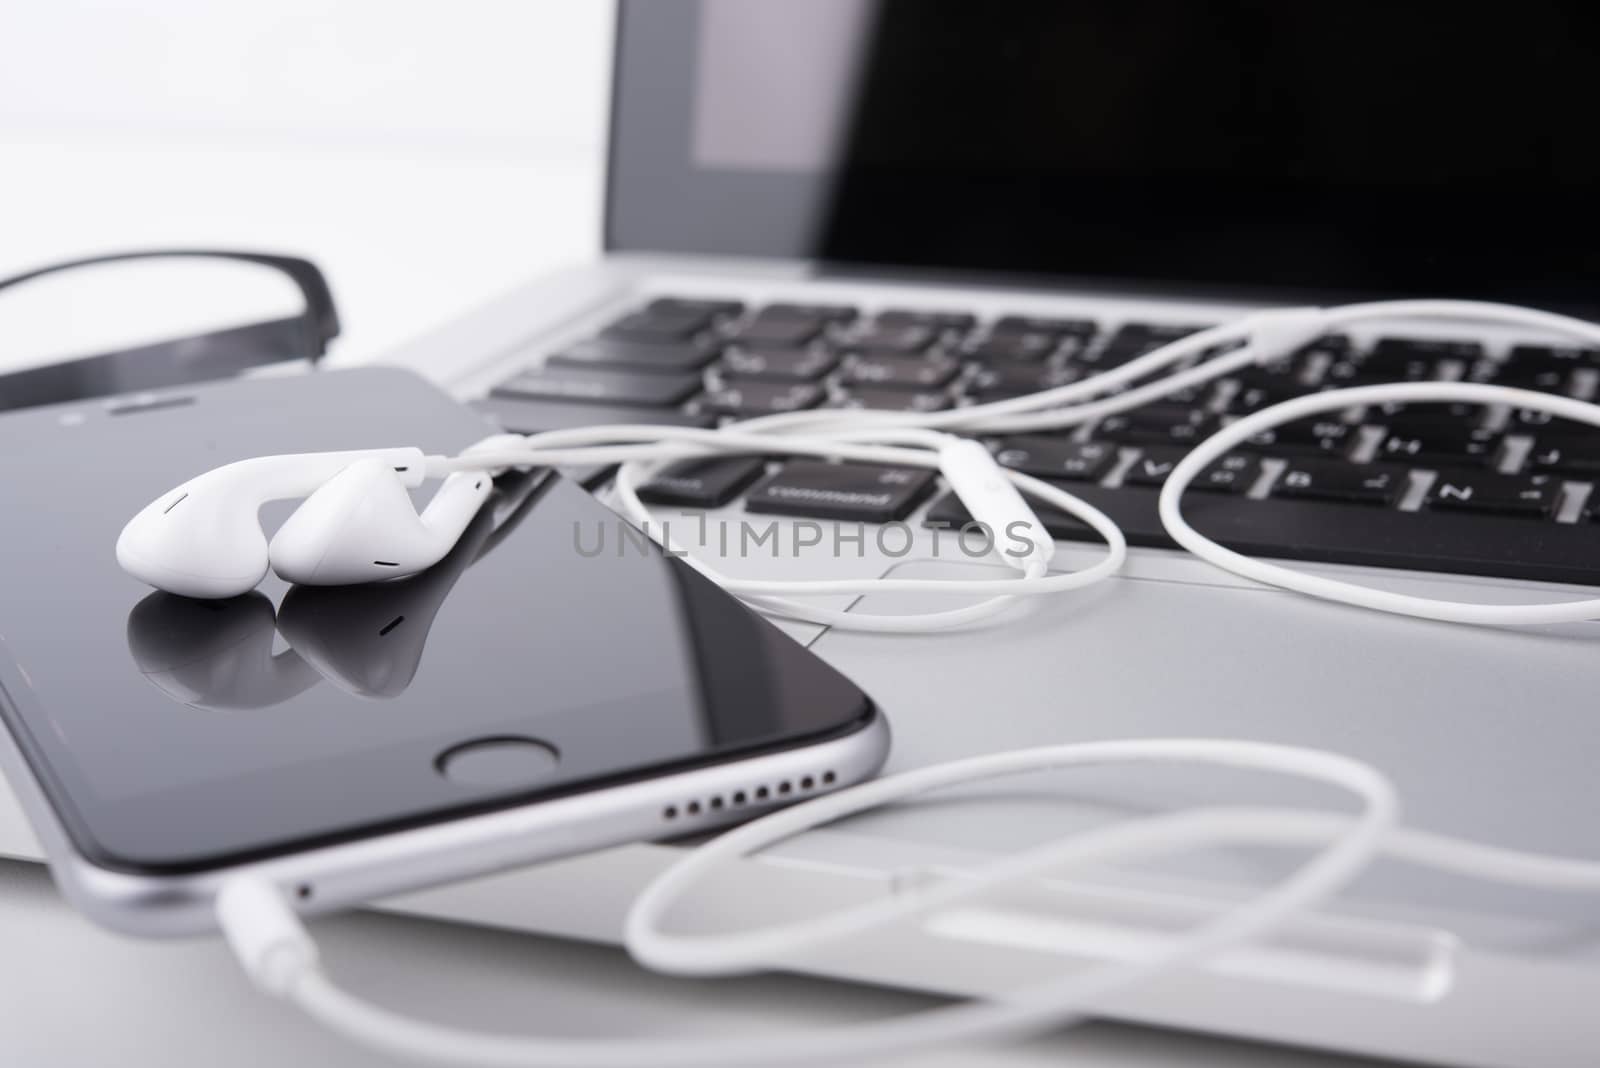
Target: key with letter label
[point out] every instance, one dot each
(707, 483)
(1234, 473)
(1476, 491)
(1088, 461)
(1375, 484)
(864, 492)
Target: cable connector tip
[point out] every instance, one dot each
(270, 942)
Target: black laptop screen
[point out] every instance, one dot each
(1332, 145)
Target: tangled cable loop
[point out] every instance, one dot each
(918, 440)
(278, 953)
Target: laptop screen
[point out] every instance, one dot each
(1234, 145)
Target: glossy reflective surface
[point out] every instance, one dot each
(173, 733)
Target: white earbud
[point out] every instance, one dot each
(360, 526)
(204, 539)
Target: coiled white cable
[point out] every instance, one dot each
(279, 955)
(277, 951)
(1213, 448)
(911, 439)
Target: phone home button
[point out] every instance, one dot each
(498, 762)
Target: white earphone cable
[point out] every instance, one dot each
(1217, 445)
(279, 955)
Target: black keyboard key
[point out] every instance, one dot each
(704, 305)
(1040, 324)
(1425, 419)
(1087, 461)
(1158, 425)
(1152, 467)
(900, 372)
(1135, 340)
(667, 325)
(818, 313)
(1464, 447)
(744, 400)
(1548, 378)
(1016, 380)
(1395, 351)
(1574, 454)
(778, 365)
(608, 387)
(935, 320)
(879, 338)
(1252, 399)
(1477, 491)
(778, 332)
(1348, 373)
(1233, 473)
(1530, 356)
(1305, 437)
(707, 483)
(1322, 480)
(1026, 347)
(532, 416)
(893, 400)
(1530, 421)
(609, 353)
(862, 492)
(1281, 376)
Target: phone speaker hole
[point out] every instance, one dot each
(303, 891)
(784, 789)
(716, 803)
(762, 793)
(693, 808)
(670, 812)
(829, 778)
(807, 783)
(739, 797)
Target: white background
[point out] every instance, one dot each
(426, 155)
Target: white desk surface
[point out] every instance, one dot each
(407, 243)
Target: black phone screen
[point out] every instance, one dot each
(173, 734)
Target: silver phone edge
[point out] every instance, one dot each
(354, 873)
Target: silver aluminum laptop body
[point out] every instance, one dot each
(1490, 734)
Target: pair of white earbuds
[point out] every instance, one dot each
(357, 524)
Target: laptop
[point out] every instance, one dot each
(912, 206)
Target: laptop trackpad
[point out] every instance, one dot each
(1490, 734)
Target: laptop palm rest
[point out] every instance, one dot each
(1488, 734)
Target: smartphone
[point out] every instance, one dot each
(555, 685)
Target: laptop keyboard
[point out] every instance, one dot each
(1437, 487)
